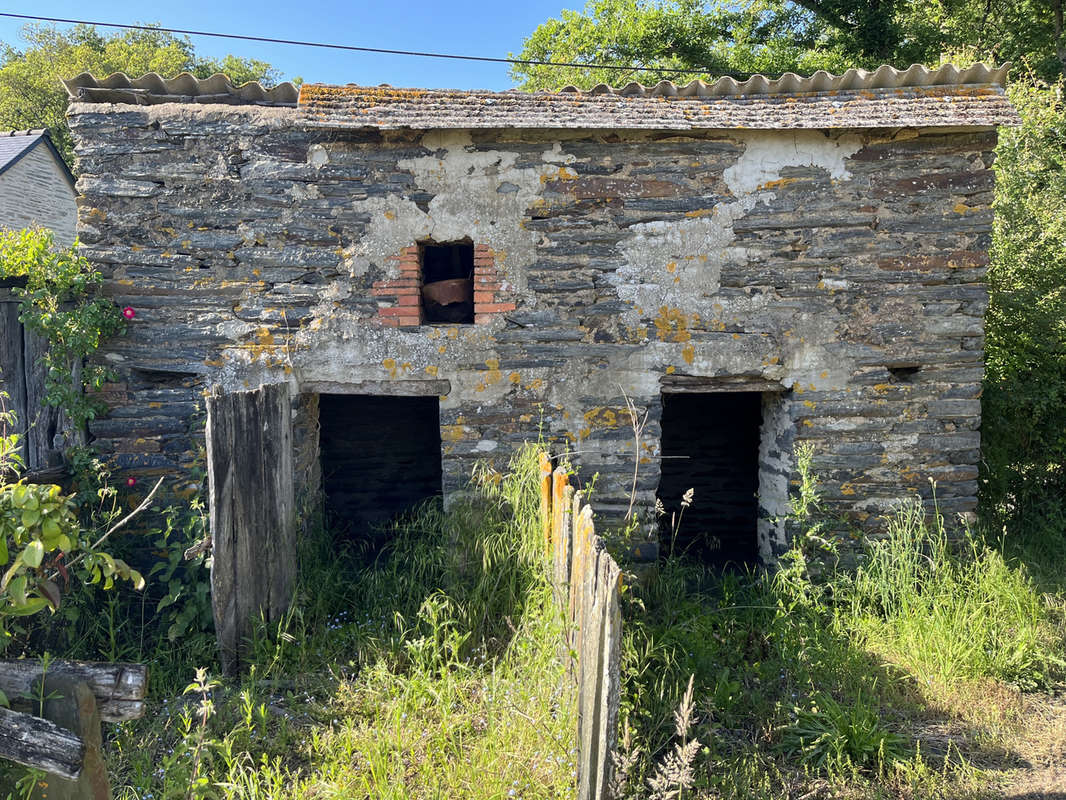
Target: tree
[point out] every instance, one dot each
(685, 39)
(31, 95)
(1024, 404)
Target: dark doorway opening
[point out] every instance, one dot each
(448, 282)
(380, 457)
(710, 443)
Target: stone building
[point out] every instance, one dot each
(437, 276)
(36, 186)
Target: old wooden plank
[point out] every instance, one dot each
(36, 742)
(253, 525)
(43, 422)
(12, 363)
(119, 689)
(608, 691)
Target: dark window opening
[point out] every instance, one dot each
(381, 456)
(448, 282)
(903, 374)
(710, 444)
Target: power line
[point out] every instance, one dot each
(353, 48)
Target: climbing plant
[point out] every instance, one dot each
(61, 301)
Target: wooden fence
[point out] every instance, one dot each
(22, 377)
(587, 581)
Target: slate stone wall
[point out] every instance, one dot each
(839, 273)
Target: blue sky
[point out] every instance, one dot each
(470, 27)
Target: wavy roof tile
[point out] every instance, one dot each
(885, 97)
(185, 88)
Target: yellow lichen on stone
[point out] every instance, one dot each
(672, 325)
(689, 354)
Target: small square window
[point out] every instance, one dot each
(448, 282)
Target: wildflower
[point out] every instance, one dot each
(131, 482)
(128, 312)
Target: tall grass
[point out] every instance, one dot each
(948, 613)
(430, 672)
(814, 679)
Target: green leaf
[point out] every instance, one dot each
(33, 555)
(30, 517)
(50, 529)
(17, 590)
(33, 605)
(3, 550)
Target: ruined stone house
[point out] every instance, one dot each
(433, 277)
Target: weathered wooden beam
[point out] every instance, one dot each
(119, 689)
(36, 742)
(253, 518)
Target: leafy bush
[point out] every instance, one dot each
(42, 542)
(61, 303)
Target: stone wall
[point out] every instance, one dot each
(36, 191)
(840, 273)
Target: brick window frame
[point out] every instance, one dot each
(399, 299)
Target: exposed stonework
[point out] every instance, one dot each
(813, 267)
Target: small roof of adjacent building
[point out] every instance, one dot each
(883, 98)
(14, 145)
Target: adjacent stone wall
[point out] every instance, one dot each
(823, 266)
(36, 191)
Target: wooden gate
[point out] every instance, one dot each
(253, 524)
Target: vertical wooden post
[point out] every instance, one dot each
(253, 521)
(546, 497)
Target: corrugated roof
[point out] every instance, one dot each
(16, 144)
(185, 88)
(885, 97)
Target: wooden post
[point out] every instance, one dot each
(545, 496)
(252, 505)
(71, 705)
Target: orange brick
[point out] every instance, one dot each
(392, 322)
(484, 297)
(410, 322)
(493, 308)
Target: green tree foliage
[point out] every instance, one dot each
(31, 95)
(685, 39)
(1025, 386)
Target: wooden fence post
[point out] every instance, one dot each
(586, 582)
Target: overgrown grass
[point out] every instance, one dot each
(428, 673)
(901, 678)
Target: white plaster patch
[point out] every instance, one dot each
(317, 155)
(466, 203)
(766, 153)
(680, 263)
